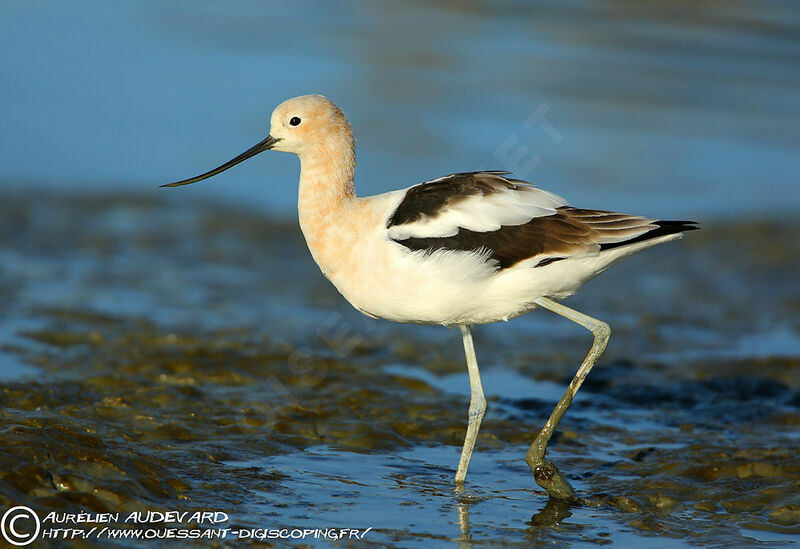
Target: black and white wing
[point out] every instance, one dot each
(511, 221)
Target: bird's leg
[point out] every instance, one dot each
(477, 406)
(545, 473)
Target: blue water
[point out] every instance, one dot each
(675, 110)
(418, 506)
(682, 111)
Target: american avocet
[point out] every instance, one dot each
(463, 249)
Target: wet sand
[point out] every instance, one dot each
(163, 356)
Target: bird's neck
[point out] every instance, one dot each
(327, 192)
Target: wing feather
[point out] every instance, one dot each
(508, 221)
(475, 201)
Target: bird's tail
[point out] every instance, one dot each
(662, 228)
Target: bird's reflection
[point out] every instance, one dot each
(554, 511)
(551, 514)
(464, 538)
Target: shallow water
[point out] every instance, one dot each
(669, 109)
(177, 369)
(179, 350)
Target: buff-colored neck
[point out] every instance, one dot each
(326, 189)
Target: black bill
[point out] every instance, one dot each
(264, 145)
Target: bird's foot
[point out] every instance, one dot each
(548, 477)
(546, 474)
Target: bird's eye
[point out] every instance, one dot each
(294, 121)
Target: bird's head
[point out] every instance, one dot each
(301, 125)
(304, 123)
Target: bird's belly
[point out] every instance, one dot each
(440, 288)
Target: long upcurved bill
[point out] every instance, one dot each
(264, 145)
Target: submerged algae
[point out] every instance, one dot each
(180, 370)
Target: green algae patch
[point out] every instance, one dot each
(178, 368)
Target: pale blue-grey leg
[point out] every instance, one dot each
(477, 406)
(545, 473)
